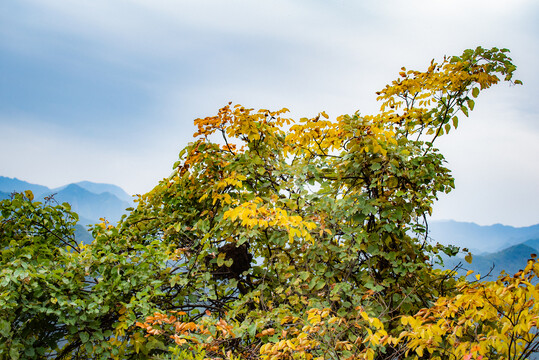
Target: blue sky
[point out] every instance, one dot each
(107, 90)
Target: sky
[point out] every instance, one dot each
(107, 90)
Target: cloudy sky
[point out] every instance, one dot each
(107, 90)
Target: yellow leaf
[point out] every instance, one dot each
(29, 195)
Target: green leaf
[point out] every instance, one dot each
(5, 328)
(14, 353)
(220, 260)
(475, 92)
(84, 337)
(471, 104)
(252, 329)
(455, 121)
(319, 285)
(154, 343)
(464, 110)
(304, 275)
(313, 283)
(375, 166)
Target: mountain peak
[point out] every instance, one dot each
(101, 188)
(91, 201)
(480, 238)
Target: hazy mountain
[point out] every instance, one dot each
(4, 195)
(9, 185)
(480, 239)
(98, 188)
(91, 201)
(533, 243)
(82, 234)
(511, 260)
(91, 206)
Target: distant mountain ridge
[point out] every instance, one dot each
(480, 239)
(91, 206)
(99, 188)
(511, 260)
(91, 201)
(9, 185)
(494, 248)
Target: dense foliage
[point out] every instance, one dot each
(271, 239)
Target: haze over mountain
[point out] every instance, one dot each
(494, 248)
(480, 239)
(99, 188)
(9, 185)
(91, 201)
(4, 195)
(511, 260)
(91, 206)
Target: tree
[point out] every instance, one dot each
(271, 239)
(332, 211)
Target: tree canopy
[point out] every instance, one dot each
(274, 239)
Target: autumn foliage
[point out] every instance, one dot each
(276, 238)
